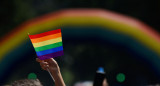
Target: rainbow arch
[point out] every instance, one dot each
(115, 22)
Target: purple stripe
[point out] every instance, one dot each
(51, 55)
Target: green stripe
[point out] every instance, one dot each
(46, 47)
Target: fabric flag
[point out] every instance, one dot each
(47, 44)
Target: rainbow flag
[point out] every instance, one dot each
(47, 44)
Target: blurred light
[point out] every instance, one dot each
(100, 70)
(32, 76)
(120, 77)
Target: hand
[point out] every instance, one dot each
(50, 64)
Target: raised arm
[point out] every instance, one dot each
(53, 67)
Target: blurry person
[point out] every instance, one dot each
(26, 82)
(100, 79)
(154, 85)
(52, 66)
(105, 83)
(86, 83)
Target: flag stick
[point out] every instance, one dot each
(50, 74)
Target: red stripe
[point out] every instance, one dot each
(44, 34)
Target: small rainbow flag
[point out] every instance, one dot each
(47, 44)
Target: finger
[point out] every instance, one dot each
(45, 67)
(38, 60)
(47, 60)
(43, 64)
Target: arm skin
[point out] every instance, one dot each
(53, 67)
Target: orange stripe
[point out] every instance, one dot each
(48, 37)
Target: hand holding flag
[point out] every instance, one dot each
(48, 45)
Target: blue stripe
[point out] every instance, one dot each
(40, 53)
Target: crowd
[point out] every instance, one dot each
(52, 66)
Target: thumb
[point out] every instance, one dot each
(51, 61)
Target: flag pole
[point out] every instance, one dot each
(50, 74)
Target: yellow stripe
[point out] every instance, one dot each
(127, 29)
(51, 41)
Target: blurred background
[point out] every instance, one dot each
(104, 40)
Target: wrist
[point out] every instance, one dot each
(55, 70)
